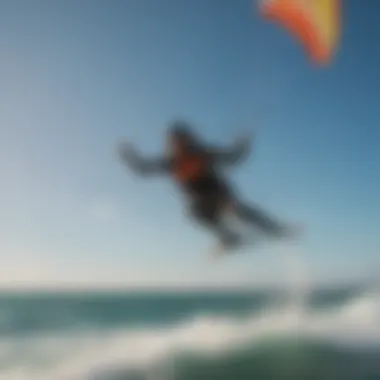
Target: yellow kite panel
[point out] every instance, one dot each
(315, 23)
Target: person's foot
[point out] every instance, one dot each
(289, 232)
(230, 241)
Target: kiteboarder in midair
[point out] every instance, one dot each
(195, 167)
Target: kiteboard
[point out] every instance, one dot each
(249, 241)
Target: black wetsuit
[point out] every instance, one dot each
(197, 173)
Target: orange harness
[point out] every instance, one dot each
(189, 167)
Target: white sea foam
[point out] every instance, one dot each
(82, 355)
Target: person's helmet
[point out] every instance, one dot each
(180, 136)
(180, 129)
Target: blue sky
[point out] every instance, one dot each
(76, 77)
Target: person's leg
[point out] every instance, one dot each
(209, 216)
(257, 217)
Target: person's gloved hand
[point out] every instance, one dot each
(127, 152)
(244, 142)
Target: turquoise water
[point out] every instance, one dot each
(141, 335)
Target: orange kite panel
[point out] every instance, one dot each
(315, 23)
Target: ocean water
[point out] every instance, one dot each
(190, 336)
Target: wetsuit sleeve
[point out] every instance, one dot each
(232, 155)
(141, 165)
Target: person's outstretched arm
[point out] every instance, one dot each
(141, 165)
(234, 154)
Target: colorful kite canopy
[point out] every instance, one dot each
(315, 23)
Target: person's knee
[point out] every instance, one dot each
(202, 214)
